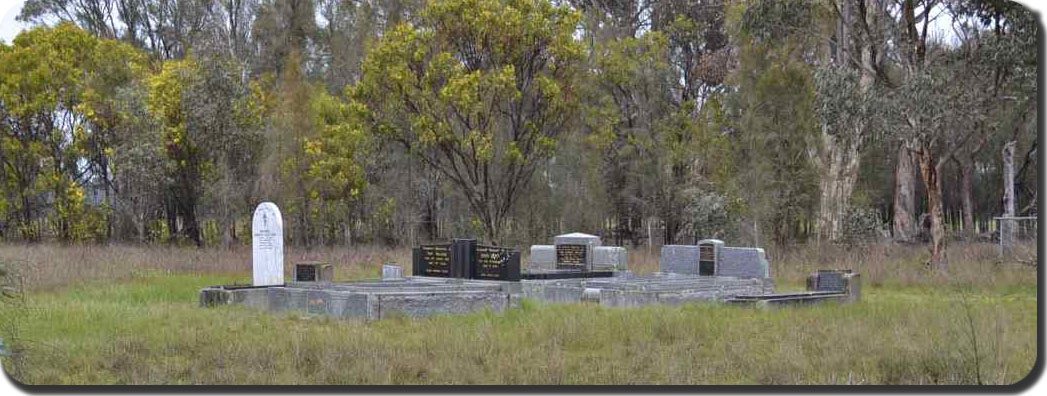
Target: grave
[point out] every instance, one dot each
(465, 276)
(267, 245)
(576, 255)
(841, 286)
(711, 258)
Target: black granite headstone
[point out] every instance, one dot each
(497, 263)
(465, 259)
(706, 260)
(432, 260)
(572, 257)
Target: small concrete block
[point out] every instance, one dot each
(390, 272)
(591, 295)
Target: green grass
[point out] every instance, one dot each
(149, 330)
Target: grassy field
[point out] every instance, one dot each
(124, 315)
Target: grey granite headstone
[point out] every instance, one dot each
(267, 245)
(614, 258)
(543, 257)
(743, 263)
(679, 259)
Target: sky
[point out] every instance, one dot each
(9, 27)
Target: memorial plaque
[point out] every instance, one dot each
(497, 263)
(305, 273)
(830, 281)
(706, 260)
(433, 260)
(570, 256)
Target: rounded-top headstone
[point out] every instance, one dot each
(267, 243)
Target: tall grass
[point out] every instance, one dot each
(129, 315)
(150, 331)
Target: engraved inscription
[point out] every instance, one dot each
(437, 259)
(491, 260)
(571, 256)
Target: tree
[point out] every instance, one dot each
(336, 173)
(209, 122)
(57, 127)
(164, 28)
(848, 75)
(773, 116)
(480, 90)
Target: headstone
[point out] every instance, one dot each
(392, 272)
(610, 258)
(743, 263)
(843, 281)
(679, 259)
(496, 263)
(267, 245)
(711, 258)
(313, 271)
(465, 259)
(710, 255)
(432, 260)
(575, 251)
(543, 257)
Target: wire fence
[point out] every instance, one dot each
(1017, 238)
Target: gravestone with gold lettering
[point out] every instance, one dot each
(575, 251)
(466, 259)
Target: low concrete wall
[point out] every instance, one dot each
(419, 296)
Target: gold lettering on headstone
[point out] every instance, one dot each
(571, 256)
(438, 260)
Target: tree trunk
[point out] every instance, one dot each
(966, 194)
(838, 177)
(904, 226)
(1006, 227)
(930, 172)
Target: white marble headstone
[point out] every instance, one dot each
(267, 242)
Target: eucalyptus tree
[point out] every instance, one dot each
(480, 90)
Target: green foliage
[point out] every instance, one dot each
(57, 87)
(480, 90)
(775, 124)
